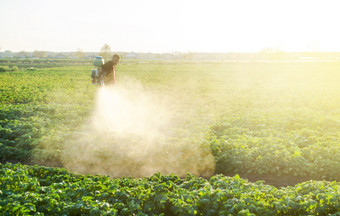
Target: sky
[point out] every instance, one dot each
(170, 25)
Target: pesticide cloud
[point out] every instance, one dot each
(131, 133)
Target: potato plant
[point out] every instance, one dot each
(257, 119)
(37, 190)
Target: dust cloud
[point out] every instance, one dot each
(131, 133)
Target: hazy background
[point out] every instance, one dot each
(169, 25)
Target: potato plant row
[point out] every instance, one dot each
(258, 119)
(38, 190)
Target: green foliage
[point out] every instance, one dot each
(54, 191)
(4, 69)
(35, 111)
(8, 69)
(42, 63)
(31, 69)
(276, 119)
(263, 144)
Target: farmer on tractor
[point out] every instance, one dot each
(105, 74)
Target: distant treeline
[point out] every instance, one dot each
(43, 63)
(266, 54)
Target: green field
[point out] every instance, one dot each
(273, 121)
(34, 190)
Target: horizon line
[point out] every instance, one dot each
(184, 52)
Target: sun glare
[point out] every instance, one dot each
(154, 26)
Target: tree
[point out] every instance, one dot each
(80, 54)
(21, 54)
(61, 55)
(7, 54)
(272, 53)
(39, 54)
(106, 52)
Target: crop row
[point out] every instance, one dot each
(274, 119)
(54, 191)
(278, 145)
